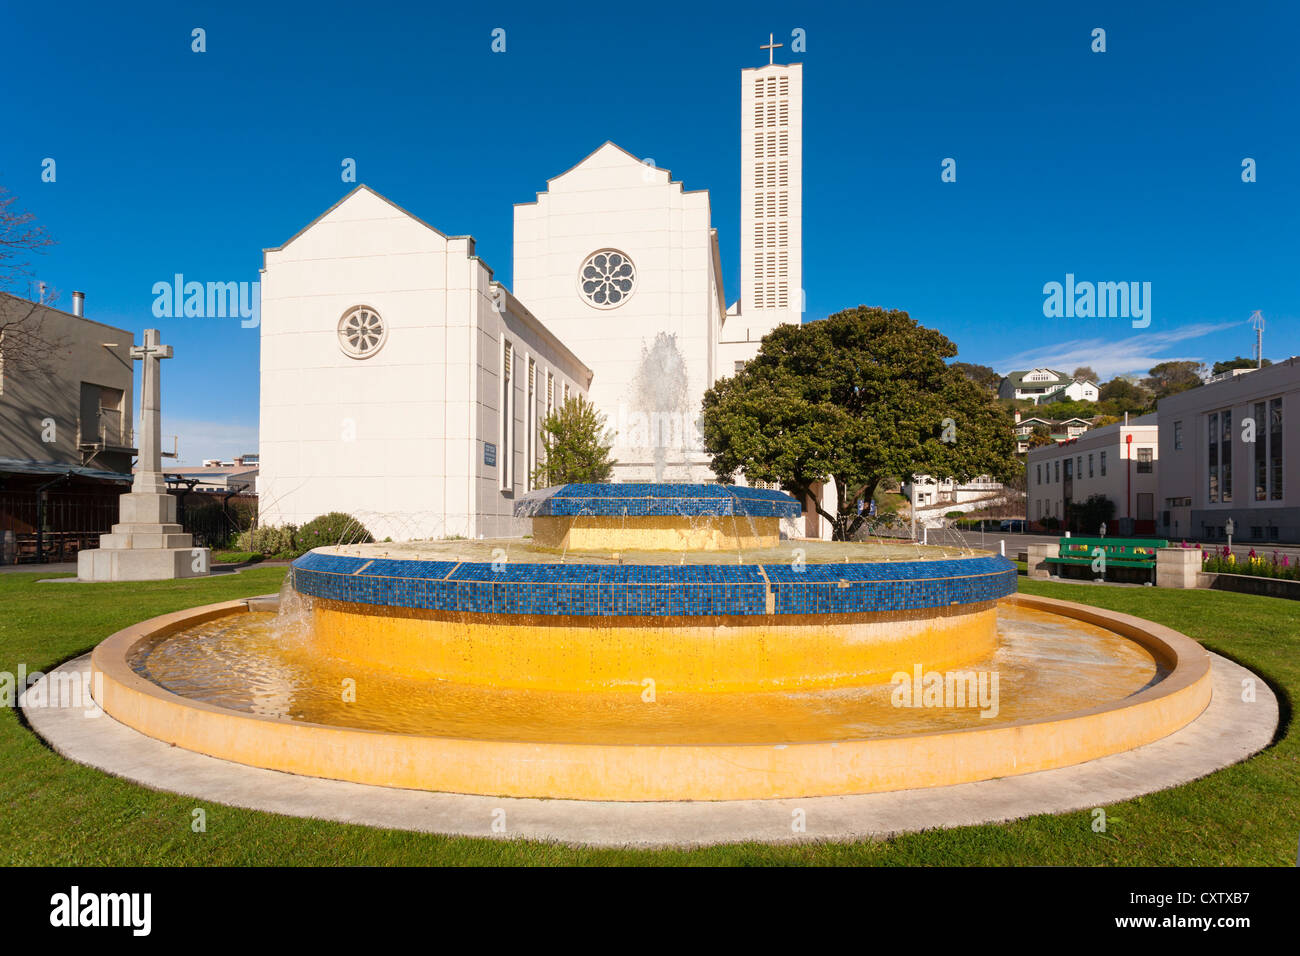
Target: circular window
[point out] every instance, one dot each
(361, 332)
(607, 279)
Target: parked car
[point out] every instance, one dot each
(1013, 526)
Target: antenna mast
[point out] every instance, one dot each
(1257, 323)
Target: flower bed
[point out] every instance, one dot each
(1268, 565)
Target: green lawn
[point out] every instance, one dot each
(57, 812)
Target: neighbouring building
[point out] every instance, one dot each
(1059, 429)
(1119, 462)
(923, 491)
(212, 475)
(1032, 384)
(1229, 452)
(77, 411)
(1076, 390)
(65, 432)
(404, 384)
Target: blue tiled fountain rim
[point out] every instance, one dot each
(654, 590)
(648, 499)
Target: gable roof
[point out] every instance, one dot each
(601, 148)
(1016, 378)
(609, 143)
(352, 192)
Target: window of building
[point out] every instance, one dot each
(1144, 461)
(1103, 464)
(1089, 464)
(101, 420)
(361, 332)
(1261, 453)
(1225, 458)
(550, 394)
(1212, 451)
(1058, 471)
(1038, 479)
(530, 451)
(739, 366)
(505, 451)
(607, 278)
(1178, 436)
(1275, 448)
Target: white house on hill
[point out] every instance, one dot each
(1044, 385)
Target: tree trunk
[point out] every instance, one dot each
(848, 520)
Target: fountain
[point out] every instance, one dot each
(653, 642)
(660, 399)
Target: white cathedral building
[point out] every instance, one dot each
(401, 383)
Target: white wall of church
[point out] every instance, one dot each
(398, 438)
(655, 352)
(536, 357)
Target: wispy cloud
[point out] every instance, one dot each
(199, 439)
(1111, 357)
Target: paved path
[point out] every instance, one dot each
(58, 567)
(1228, 731)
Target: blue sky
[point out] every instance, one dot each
(1115, 166)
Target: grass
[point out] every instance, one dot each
(56, 812)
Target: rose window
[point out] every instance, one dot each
(361, 332)
(607, 279)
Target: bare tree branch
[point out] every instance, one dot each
(20, 236)
(28, 342)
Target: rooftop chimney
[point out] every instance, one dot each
(79, 303)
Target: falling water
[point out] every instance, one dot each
(659, 392)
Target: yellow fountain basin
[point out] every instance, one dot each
(693, 654)
(665, 533)
(662, 771)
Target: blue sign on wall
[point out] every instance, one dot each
(489, 454)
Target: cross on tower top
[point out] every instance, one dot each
(770, 47)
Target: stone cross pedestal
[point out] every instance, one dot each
(146, 544)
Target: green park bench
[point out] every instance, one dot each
(1119, 552)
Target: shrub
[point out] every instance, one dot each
(266, 539)
(236, 557)
(331, 529)
(1090, 515)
